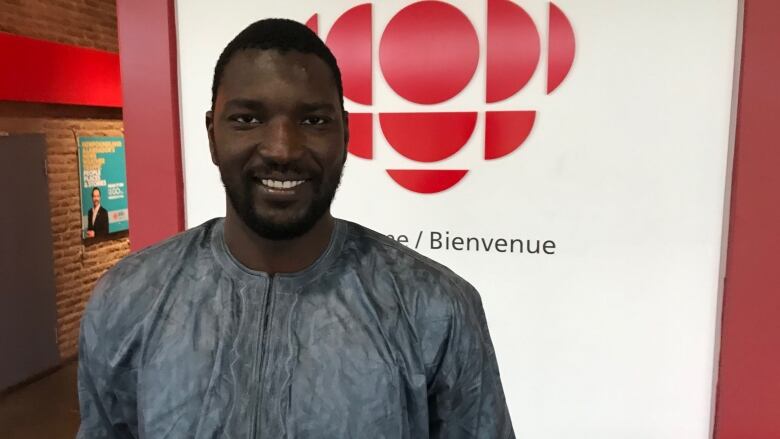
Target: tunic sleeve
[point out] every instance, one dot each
(104, 396)
(466, 399)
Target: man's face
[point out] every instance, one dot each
(95, 198)
(278, 136)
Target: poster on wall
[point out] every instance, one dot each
(103, 183)
(568, 158)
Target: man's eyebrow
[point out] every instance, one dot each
(317, 106)
(244, 103)
(303, 107)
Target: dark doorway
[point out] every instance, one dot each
(28, 315)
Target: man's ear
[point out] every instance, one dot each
(210, 131)
(346, 134)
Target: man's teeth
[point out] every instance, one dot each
(279, 184)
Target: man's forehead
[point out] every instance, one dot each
(302, 66)
(262, 71)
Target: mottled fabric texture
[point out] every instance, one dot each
(371, 341)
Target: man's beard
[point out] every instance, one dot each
(240, 196)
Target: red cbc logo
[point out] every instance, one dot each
(428, 54)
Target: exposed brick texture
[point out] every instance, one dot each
(86, 23)
(76, 265)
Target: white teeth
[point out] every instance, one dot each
(279, 184)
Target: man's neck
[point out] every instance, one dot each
(281, 256)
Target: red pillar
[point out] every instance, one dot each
(748, 399)
(147, 51)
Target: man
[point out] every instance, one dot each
(279, 320)
(97, 217)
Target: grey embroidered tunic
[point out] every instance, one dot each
(371, 341)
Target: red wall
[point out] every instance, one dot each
(48, 72)
(748, 400)
(147, 47)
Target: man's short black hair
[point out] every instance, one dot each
(277, 34)
(96, 189)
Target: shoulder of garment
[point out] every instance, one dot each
(431, 290)
(125, 294)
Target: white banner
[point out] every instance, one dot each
(584, 200)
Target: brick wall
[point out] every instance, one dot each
(76, 265)
(86, 23)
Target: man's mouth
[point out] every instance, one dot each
(281, 184)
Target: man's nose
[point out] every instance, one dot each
(282, 142)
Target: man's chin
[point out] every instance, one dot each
(279, 219)
(279, 232)
(281, 229)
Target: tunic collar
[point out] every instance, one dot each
(285, 280)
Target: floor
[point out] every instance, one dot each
(44, 409)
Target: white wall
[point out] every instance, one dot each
(613, 336)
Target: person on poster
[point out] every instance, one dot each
(97, 217)
(280, 320)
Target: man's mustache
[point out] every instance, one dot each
(282, 172)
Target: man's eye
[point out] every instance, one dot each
(246, 119)
(314, 120)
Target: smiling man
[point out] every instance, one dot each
(279, 320)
